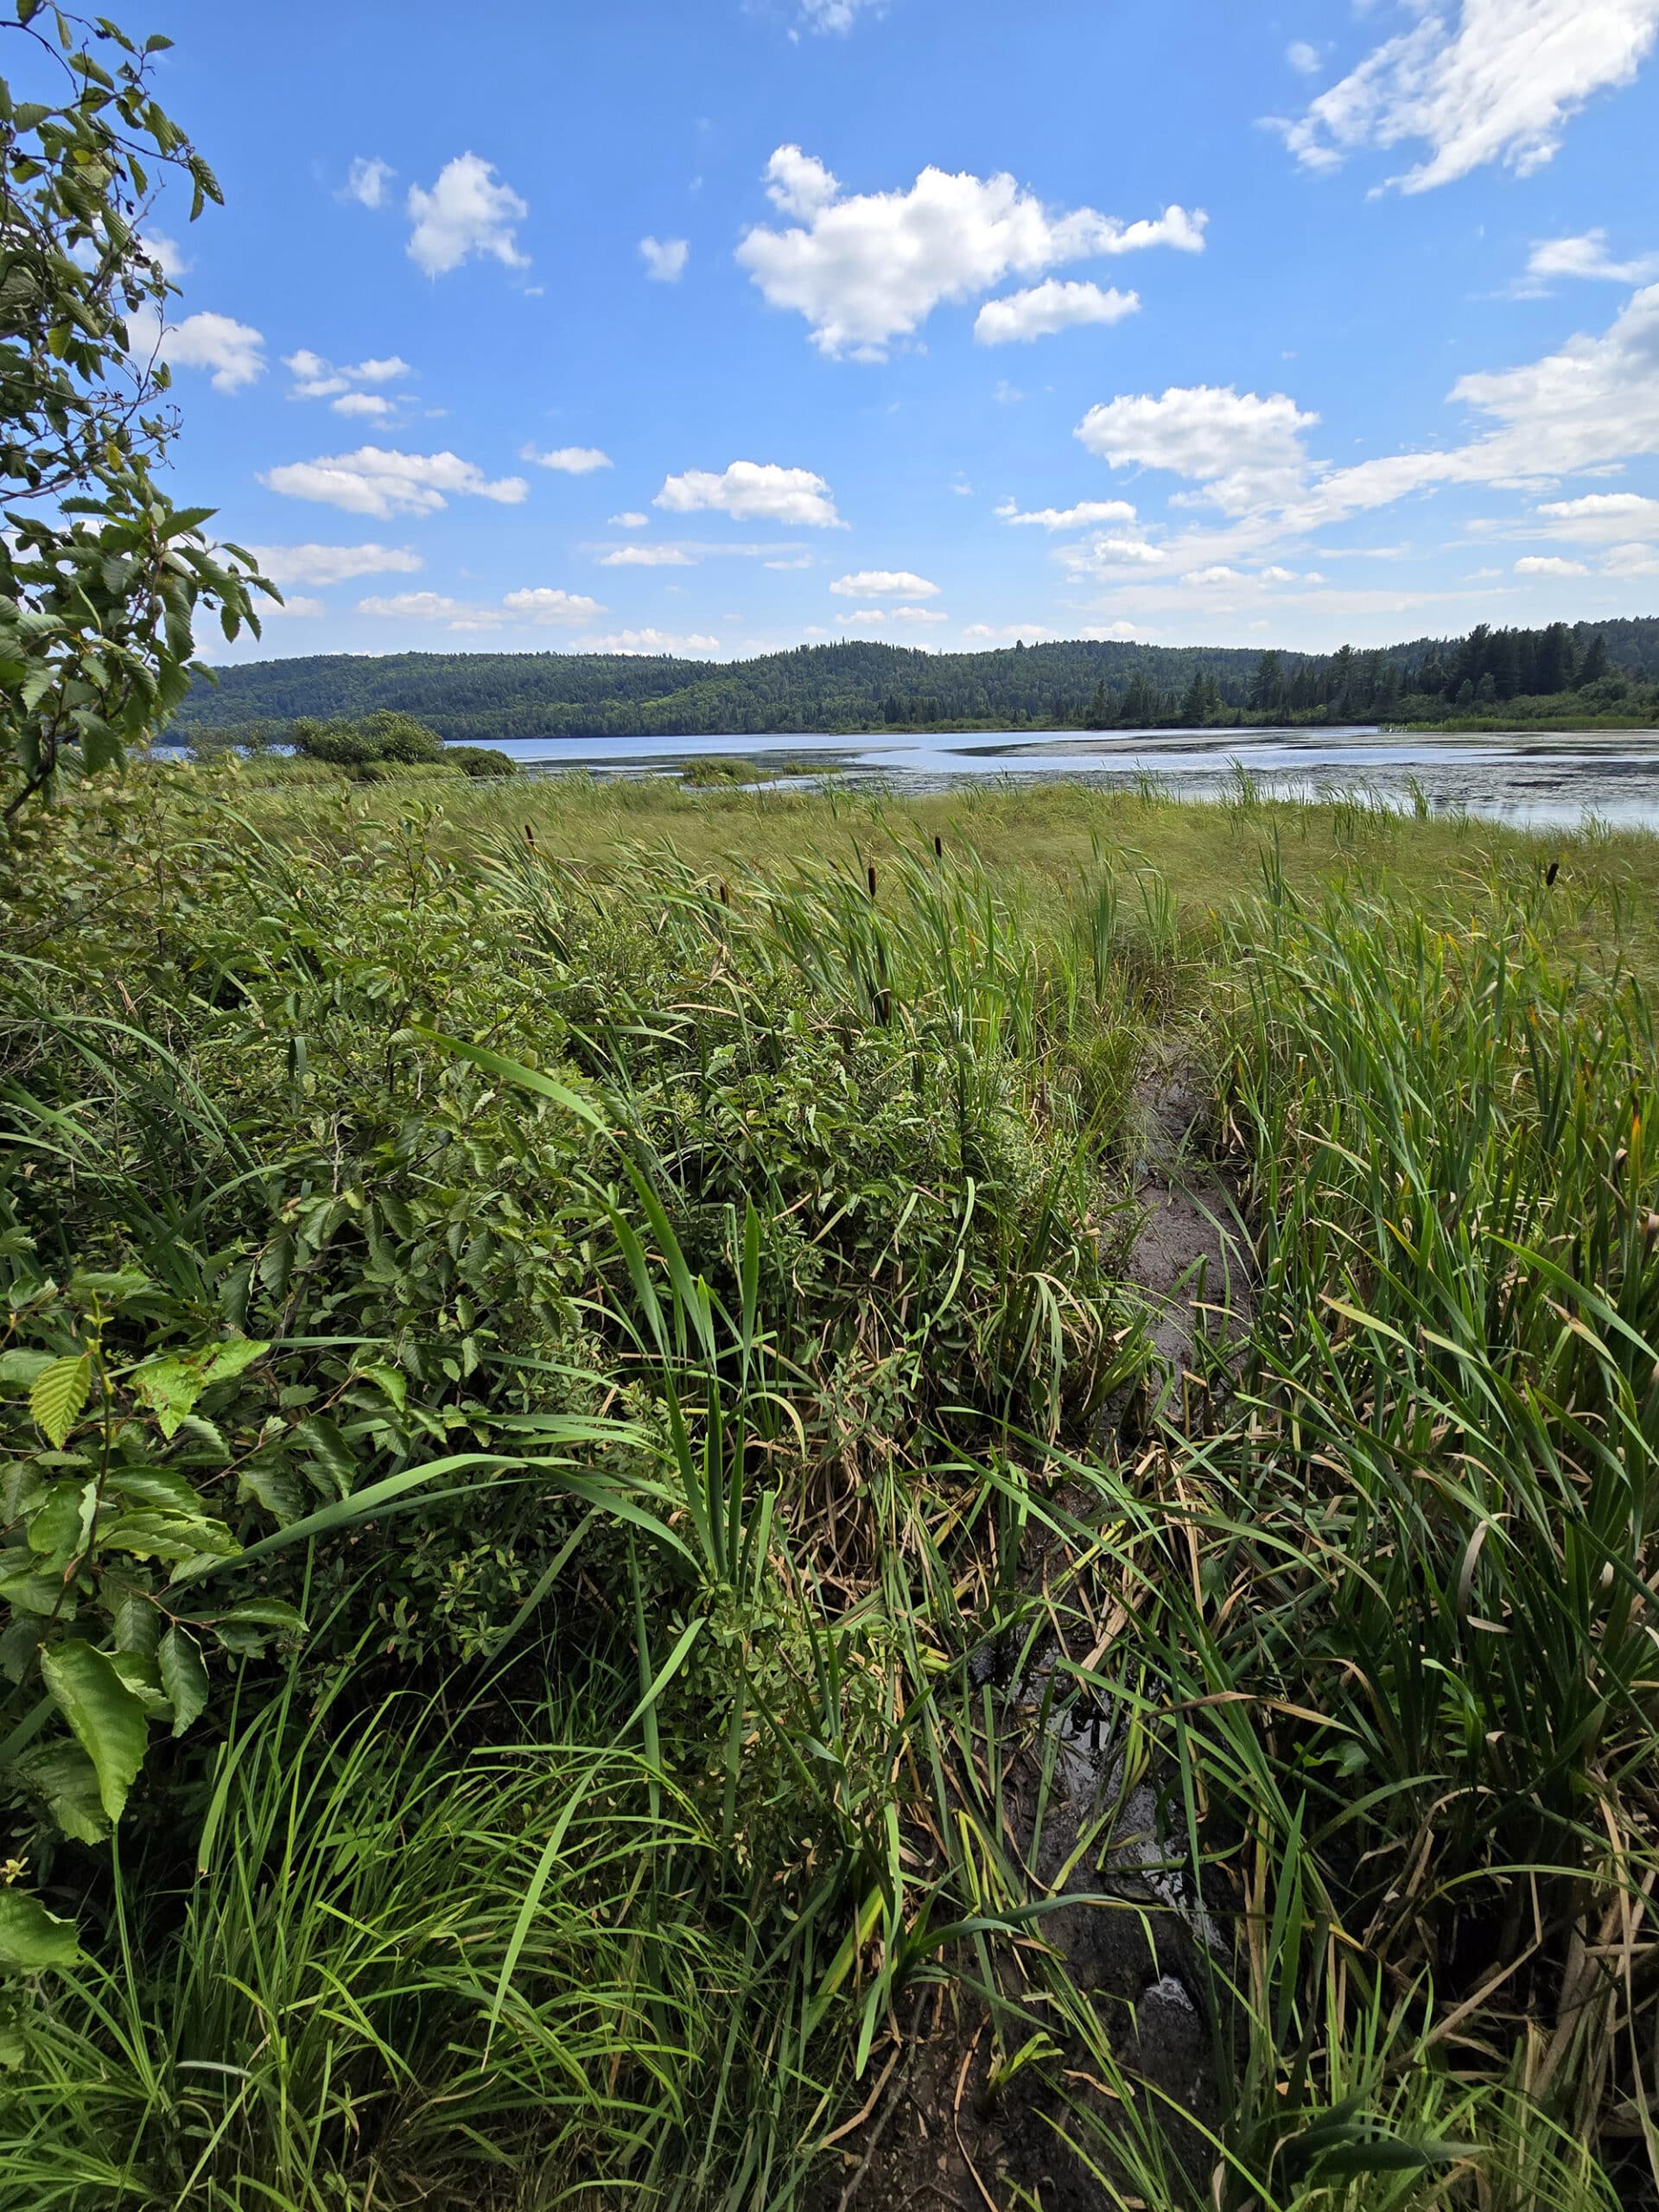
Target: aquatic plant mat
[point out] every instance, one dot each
(758, 1500)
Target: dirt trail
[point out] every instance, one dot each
(934, 2133)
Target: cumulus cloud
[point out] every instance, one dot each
(1600, 515)
(540, 604)
(1548, 564)
(1585, 256)
(754, 491)
(629, 519)
(292, 604)
(232, 350)
(870, 267)
(380, 481)
(333, 564)
(1218, 573)
(1498, 83)
(646, 556)
(665, 259)
(885, 583)
(570, 460)
(1631, 560)
(1043, 309)
(315, 377)
(1304, 59)
(919, 614)
(1100, 556)
(466, 216)
(1083, 516)
(652, 642)
(367, 180)
(1244, 449)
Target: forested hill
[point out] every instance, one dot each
(485, 697)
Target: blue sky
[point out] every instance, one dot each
(720, 325)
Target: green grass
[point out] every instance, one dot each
(728, 1196)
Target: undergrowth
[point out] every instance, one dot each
(572, 1461)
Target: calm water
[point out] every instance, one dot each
(1556, 779)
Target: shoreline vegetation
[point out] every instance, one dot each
(632, 1571)
(1606, 672)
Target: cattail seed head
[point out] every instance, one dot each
(870, 873)
(938, 847)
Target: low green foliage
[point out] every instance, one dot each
(551, 1407)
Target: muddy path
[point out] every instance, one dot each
(937, 2128)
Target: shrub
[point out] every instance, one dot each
(479, 760)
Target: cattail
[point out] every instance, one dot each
(1550, 874)
(938, 847)
(870, 873)
(529, 836)
(725, 893)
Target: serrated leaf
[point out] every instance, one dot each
(163, 1487)
(265, 1612)
(31, 1938)
(392, 1380)
(274, 1486)
(57, 1394)
(184, 1677)
(106, 1720)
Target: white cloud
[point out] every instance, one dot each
(1044, 309)
(1244, 449)
(367, 181)
(542, 605)
(1006, 630)
(800, 561)
(646, 556)
(1585, 255)
(1600, 515)
(1217, 573)
(570, 461)
(317, 379)
(332, 564)
(754, 491)
(665, 259)
(1631, 560)
(1304, 59)
(651, 641)
(866, 269)
(415, 606)
(380, 481)
(885, 583)
(1100, 556)
(233, 350)
(630, 520)
(292, 604)
(919, 614)
(1499, 84)
(1548, 564)
(539, 605)
(839, 15)
(175, 263)
(1083, 516)
(467, 215)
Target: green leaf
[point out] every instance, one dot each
(184, 1677)
(57, 1394)
(107, 1719)
(265, 1612)
(19, 1368)
(31, 1937)
(159, 1486)
(67, 1782)
(392, 1380)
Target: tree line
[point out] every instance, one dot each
(854, 687)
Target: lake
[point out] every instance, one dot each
(1517, 776)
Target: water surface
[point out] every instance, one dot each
(1521, 776)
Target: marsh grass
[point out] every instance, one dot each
(617, 1813)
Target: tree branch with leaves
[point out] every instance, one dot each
(102, 578)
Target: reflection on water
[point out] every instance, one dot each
(1518, 777)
